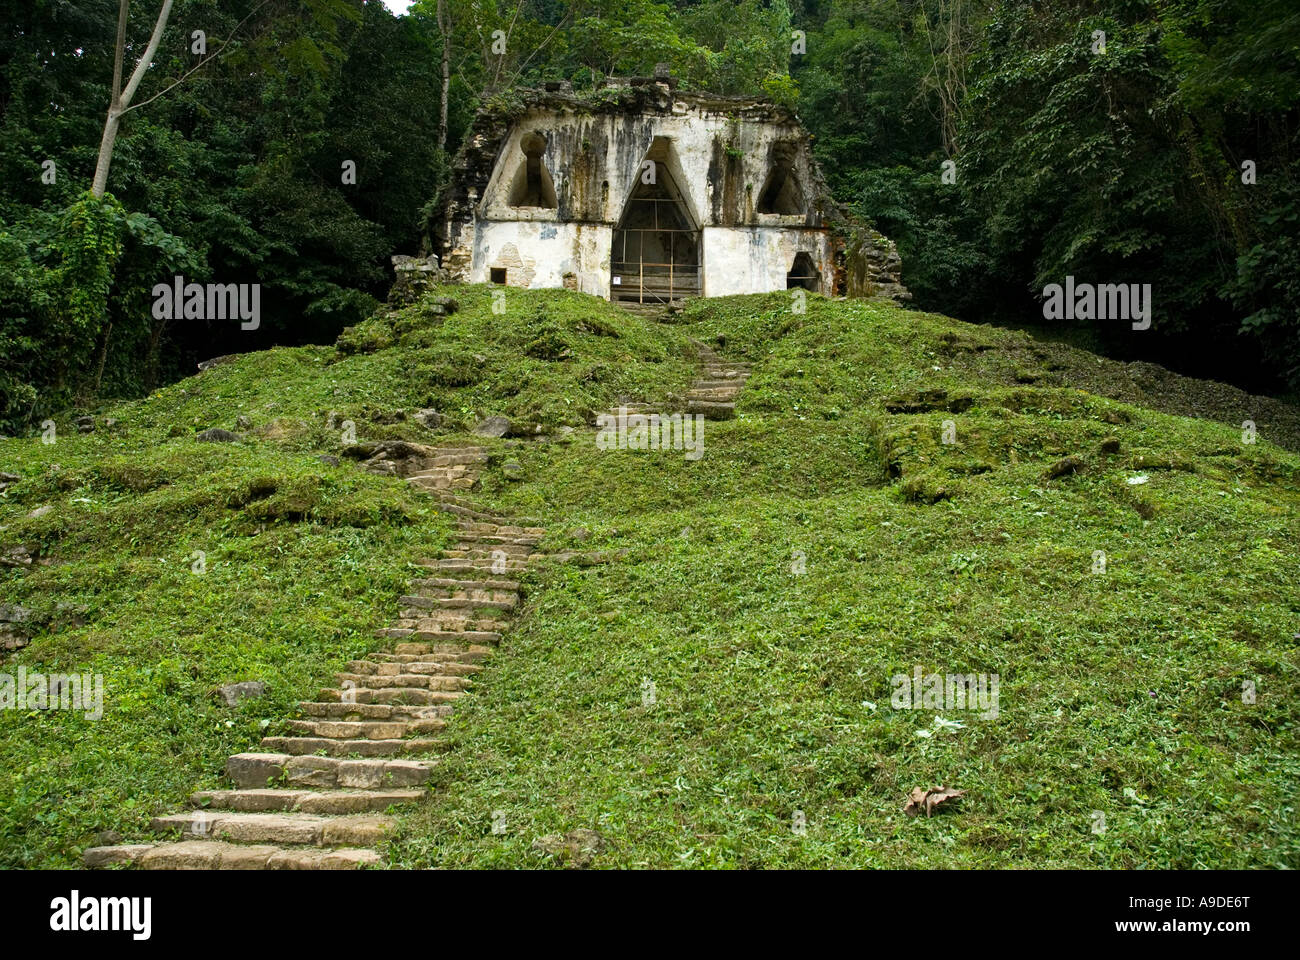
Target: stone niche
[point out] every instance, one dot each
(643, 193)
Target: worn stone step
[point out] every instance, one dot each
(439, 654)
(423, 641)
(447, 469)
(477, 564)
(94, 857)
(489, 556)
(420, 624)
(458, 603)
(515, 539)
(367, 729)
(444, 483)
(354, 712)
(499, 529)
(713, 393)
(466, 586)
(218, 855)
(706, 384)
(526, 544)
(363, 747)
(264, 769)
(276, 828)
(449, 499)
(459, 511)
(712, 410)
(409, 696)
(458, 457)
(405, 680)
(324, 802)
(492, 549)
(445, 668)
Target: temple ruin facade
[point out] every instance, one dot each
(644, 193)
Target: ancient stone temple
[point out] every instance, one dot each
(645, 193)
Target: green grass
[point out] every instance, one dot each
(1119, 692)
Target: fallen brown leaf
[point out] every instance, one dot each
(922, 799)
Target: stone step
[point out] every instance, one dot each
(448, 499)
(355, 712)
(420, 623)
(505, 530)
(327, 802)
(423, 641)
(367, 729)
(326, 746)
(291, 828)
(497, 555)
(706, 384)
(730, 374)
(420, 681)
(459, 511)
(262, 769)
(713, 393)
(485, 566)
(457, 458)
(489, 547)
(457, 603)
(444, 470)
(451, 583)
(424, 648)
(217, 855)
(515, 539)
(444, 483)
(406, 696)
(712, 410)
(439, 654)
(432, 667)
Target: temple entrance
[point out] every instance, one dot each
(656, 252)
(803, 274)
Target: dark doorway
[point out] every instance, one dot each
(803, 274)
(656, 252)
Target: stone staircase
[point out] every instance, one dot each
(714, 393)
(317, 799)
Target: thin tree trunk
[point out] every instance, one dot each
(106, 150)
(445, 29)
(121, 98)
(103, 357)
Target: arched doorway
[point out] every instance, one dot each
(656, 252)
(803, 274)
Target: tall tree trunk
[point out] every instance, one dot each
(103, 357)
(445, 29)
(106, 150)
(121, 98)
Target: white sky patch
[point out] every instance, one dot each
(398, 7)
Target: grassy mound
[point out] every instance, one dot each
(899, 490)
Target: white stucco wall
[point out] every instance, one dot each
(538, 254)
(692, 134)
(757, 259)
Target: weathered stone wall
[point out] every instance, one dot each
(718, 151)
(757, 259)
(872, 266)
